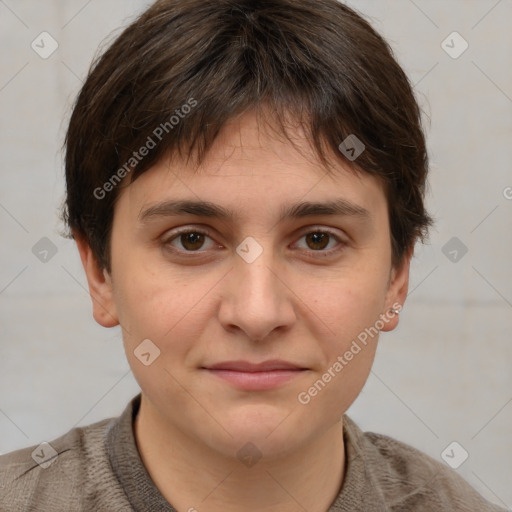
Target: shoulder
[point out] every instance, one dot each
(410, 480)
(64, 474)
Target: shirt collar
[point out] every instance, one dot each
(360, 491)
(127, 464)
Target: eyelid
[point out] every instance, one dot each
(189, 228)
(322, 229)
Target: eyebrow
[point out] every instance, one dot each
(303, 209)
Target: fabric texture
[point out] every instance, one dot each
(98, 468)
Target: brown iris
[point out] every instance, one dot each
(192, 241)
(317, 238)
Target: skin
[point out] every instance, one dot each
(294, 302)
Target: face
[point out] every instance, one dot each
(265, 281)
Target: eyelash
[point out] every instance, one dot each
(167, 241)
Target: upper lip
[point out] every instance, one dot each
(246, 366)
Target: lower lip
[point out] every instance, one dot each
(253, 381)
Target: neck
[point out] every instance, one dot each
(193, 477)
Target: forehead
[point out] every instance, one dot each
(252, 168)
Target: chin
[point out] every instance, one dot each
(269, 427)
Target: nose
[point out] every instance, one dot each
(256, 299)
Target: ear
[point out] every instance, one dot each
(397, 292)
(100, 285)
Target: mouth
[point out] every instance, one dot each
(256, 376)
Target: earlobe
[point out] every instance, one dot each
(100, 285)
(397, 293)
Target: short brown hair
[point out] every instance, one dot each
(318, 60)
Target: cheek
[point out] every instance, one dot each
(152, 309)
(169, 309)
(152, 298)
(350, 307)
(347, 305)
(347, 355)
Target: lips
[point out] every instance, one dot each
(256, 376)
(265, 366)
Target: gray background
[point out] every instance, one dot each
(443, 375)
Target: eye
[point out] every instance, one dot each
(188, 240)
(318, 240)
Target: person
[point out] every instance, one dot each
(245, 186)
